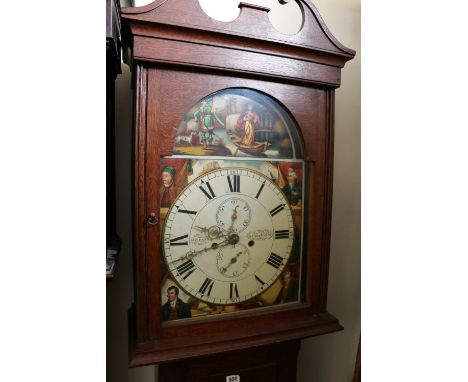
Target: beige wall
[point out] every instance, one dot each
(331, 358)
(328, 358)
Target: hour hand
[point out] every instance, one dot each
(191, 254)
(213, 232)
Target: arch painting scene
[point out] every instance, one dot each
(238, 122)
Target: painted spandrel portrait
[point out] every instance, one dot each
(238, 122)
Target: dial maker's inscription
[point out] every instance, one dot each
(260, 234)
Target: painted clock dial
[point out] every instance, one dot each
(228, 235)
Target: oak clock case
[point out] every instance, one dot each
(233, 159)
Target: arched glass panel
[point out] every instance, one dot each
(238, 122)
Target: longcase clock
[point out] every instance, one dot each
(232, 180)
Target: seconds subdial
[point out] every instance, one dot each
(233, 215)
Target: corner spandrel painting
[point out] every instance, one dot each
(238, 122)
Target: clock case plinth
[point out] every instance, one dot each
(179, 55)
(273, 363)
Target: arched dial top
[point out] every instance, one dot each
(228, 236)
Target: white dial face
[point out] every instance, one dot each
(228, 236)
